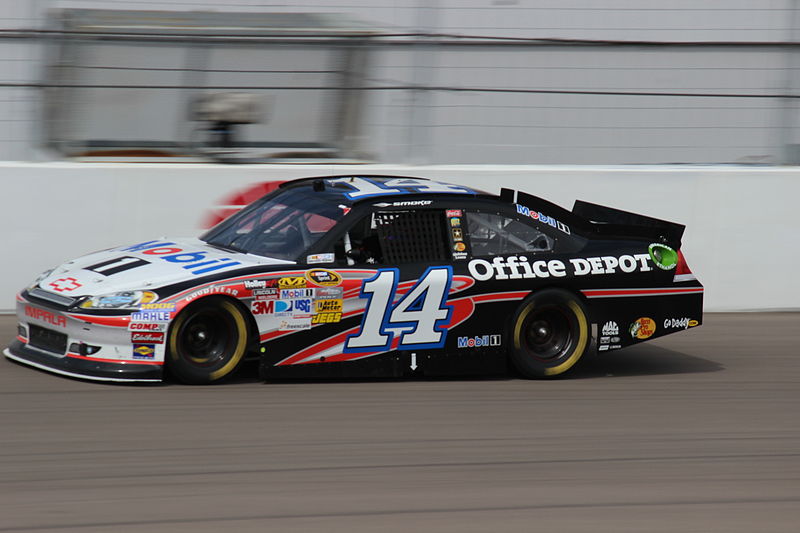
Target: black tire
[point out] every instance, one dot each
(207, 341)
(549, 334)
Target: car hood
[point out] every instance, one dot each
(146, 265)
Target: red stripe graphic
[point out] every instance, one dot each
(118, 321)
(463, 308)
(120, 361)
(609, 293)
(459, 284)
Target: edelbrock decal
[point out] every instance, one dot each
(518, 267)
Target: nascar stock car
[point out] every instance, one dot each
(365, 276)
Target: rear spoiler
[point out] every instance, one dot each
(593, 219)
(611, 222)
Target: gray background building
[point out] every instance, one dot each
(436, 81)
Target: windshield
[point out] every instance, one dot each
(281, 225)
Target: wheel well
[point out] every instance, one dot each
(252, 328)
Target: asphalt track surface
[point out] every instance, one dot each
(697, 432)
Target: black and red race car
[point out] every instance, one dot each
(366, 276)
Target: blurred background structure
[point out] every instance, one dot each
(407, 81)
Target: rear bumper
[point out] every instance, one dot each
(73, 365)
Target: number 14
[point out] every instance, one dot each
(420, 317)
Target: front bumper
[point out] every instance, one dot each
(80, 345)
(76, 366)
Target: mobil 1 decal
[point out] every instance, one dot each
(419, 319)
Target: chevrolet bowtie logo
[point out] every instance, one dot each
(65, 284)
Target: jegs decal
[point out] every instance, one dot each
(420, 318)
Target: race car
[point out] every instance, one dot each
(365, 276)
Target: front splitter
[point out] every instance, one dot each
(85, 368)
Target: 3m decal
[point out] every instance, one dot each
(263, 307)
(65, 285)
(117, 265)
(195, 262)
(419, 318)
(324, 278)
(643, 328)
(364, 188)
(46, 316)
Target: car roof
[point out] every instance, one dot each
(355, 188)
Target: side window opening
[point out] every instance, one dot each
(393, 237)
(495, 234)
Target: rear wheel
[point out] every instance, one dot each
(207, 341)
(550, 333)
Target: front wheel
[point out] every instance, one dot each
(207, 341)
(550, 333)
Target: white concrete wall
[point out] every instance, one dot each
(741, 238)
